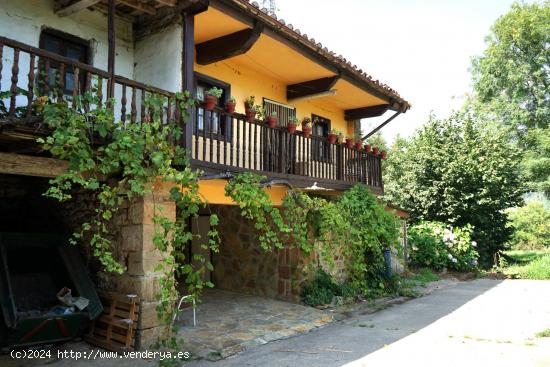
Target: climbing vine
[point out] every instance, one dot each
(120, 163)
(355, 223)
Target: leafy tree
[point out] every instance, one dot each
(537, 161)
(531, 225)
(458, 171)
(512, 85)
(512, 78)
(378, 140)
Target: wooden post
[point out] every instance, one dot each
(111, 56)
(188, 75)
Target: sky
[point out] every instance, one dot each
(421, 48)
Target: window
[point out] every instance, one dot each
(284, 112)
(65, 45)
(321, 149)
(211, 121)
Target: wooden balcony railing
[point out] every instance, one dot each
(36, 72)
(219, 141)
(223, 141)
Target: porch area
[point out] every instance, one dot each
(217, 141)
(230, 322)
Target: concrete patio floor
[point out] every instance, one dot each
(229, 322)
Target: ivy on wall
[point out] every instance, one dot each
(119, 163)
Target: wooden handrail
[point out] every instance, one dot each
(52, 56)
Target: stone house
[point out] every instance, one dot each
(133, 47)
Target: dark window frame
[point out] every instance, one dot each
(321, 151)
(283, 105)
(65, 40)
(226, 87)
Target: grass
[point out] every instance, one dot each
(527, 264)
(543, 334)
(423, 276)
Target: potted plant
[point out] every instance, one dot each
(375, 150)
(358, 141)
(272, 120)
(333, 136)
(306, 127)
(341, 137)
(250, 109)
(230, 105)
(349, 141)
(368, 148)
(292, 123)
(211, 97)
(383, 154)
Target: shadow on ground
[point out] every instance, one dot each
(351, 339)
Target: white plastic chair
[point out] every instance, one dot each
(179, 310)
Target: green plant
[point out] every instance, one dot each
(322, 290)
(335, 132)
(543, 334)
(531, 226)
(214, 92)
(250, 102)
(273, 114)
(129, 160)
(307, 122)
(438, 246)
(293, 120)
(232, 99)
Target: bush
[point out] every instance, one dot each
(323, 289)
(437, 246)
(527, 265)
(531, 226)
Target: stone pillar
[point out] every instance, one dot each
(136, 246)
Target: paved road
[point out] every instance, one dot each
(479, 323)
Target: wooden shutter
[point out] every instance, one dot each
(284, 112)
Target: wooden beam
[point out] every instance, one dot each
(75, 7)
(188, 75)
(18, 164)
(167, 2)
(227, 46)
(310, 87)
(144, 8)
(365, 112)
(111, 55)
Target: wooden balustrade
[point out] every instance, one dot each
(224, 141)
(220, 141)
(63, 79)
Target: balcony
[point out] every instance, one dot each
(217, 141)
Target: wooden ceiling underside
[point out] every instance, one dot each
(129, 9)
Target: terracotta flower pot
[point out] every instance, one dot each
(375, 150)
(358, 145)
(250, 115)
(291, 127)
(383, 154)
(368, 148)
(306, 130)
(230, 107)
(272, 122)
(332, 138)
(349, 143)
(210, 102)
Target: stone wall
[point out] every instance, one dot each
(242, 266)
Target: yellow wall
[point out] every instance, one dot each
(213, 191)
(246, 82)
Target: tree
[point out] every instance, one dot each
(536, 163)
(512, 85)
(531, 225)
(459, 171)
(512, 77)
